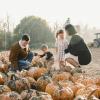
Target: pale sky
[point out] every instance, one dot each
(80, 11)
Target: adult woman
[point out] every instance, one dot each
(77, 50)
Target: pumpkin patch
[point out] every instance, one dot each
(38, 83)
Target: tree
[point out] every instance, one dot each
(37, 28)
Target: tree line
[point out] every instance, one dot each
(37, 28)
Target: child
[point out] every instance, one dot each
(61, 45)
(48, 56)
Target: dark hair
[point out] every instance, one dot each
(70, 29)
(59, 32)
(26, 37)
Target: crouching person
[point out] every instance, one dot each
(48, 58)
(20, 54)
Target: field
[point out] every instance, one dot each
(37, 83)
(93, 69)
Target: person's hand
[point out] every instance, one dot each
(62, 63)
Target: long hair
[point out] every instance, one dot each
(70, 29)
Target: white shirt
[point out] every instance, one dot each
(23, 46)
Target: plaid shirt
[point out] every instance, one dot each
(61, 45)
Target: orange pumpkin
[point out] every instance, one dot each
(10, 96)
(3, 78)
(27, 94)
(87, 91)
(58, 92)
(97, 92)
(18, 84)
(97, 81)
(4, 68)
(4, 89)
(61, 76)
(88, 81)
(42, 82)
(23, 73)
(73, 86)
(77, 77)
(32, 82)
(51, 88)
(63, 93)
(36, 72)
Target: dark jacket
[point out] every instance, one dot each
(77, 47)
(48, 55)
(17, 53)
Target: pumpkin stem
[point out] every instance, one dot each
(14, 77)
(60, 87)
(91, 94)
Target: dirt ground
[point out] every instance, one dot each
(93, 69)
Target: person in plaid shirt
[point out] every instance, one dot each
(61, 44)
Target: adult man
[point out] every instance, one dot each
(20, 54)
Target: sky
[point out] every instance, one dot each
(79, 11)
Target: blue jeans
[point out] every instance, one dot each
(23, 64)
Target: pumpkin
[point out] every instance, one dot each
(87, 91)
(3, 78)
(10, 74)
(4, 89)
(76, 87)
(63, 93)
(42, 82)
(73, 86)
(37, 63)
(32, 82)
(76, 77)
(4, 68)
(10, 96)
(36, 72)
(58, 92)
(41, 96)
(22, 73)
(61, 76)
(18, 84)
(88, 81)
(51, 88)
(27, 94)
(80, 98)
(97, 92)
(97, 81)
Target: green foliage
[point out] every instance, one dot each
(38, 30)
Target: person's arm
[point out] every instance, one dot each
(49, 55)
(14, 56)
(66, 50)
(75, 45)
(56, 49)
(56, 46)
(66, 47)
(42, 55)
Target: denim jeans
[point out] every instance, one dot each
(23, 63)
